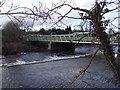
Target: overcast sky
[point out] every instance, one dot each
(87, 4)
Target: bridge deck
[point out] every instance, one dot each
(71, 38)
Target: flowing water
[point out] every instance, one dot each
(55, 70)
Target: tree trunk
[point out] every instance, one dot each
(99, 31)
(108, 52)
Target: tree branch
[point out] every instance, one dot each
(104, 12)
(23, 13)
(63, 17)
(84, 70)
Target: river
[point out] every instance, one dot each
(56, 70)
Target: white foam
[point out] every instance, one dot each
(20, 62)
(48, 59)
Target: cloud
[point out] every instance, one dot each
(23, 3)
(84, 3)
(87, 4)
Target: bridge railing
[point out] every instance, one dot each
(75, 38)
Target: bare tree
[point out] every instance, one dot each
(25, 15)
(95, 15)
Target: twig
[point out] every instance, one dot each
(82, 71)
